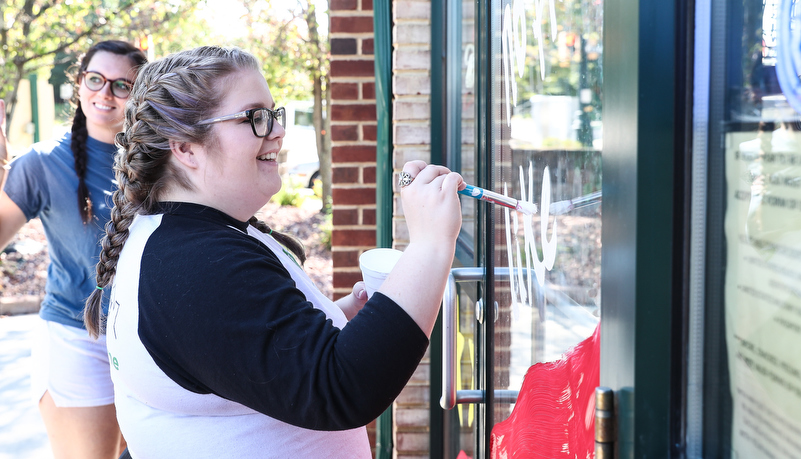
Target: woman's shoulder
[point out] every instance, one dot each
(205, 234)
(47, 148)
(42, 155)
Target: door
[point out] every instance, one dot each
(582, 108)
(529, 127)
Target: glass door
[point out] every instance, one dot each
(530, 129)
(600, 155)
(547, 98)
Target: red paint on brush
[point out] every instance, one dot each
(554, 416)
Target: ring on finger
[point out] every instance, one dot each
(404, 179)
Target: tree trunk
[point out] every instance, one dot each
(11, 103)
(327, 182)
(320, 118)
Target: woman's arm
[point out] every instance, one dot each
(434, 216)
(11, 216)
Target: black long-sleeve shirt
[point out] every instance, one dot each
(218, 314)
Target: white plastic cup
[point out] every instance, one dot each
(376, 264)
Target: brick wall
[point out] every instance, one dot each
(353, 142)
(411, 85)
(411, 135)
(353, 138)
(353, 135)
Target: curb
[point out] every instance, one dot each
(27, 304)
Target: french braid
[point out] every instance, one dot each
(168, 99)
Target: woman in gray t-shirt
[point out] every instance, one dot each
(67, 183)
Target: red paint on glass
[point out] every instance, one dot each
(554, 416)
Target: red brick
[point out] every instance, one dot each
(355, 112)
(344, 132)
(353, 153)
(344, 175)
(369, 132)
(345, 217)
(367, 46)
(351, 24)
(345, 259)
(368, 91)
(354, 196)
(414, 395)
(353, 238)
(352, 68)
(343, 46)
(347, 91)
(339, 5)
(346, 280)
(367, 5)
(411, 418)
(411, 442)
(368, 175)
(368, 216)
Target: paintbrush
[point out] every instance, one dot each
(481, 194)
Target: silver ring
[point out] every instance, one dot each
(405, 179)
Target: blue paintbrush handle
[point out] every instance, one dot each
(489, 196)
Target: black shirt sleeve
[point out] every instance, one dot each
(220, 314)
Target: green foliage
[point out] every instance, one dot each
(42, 34)
(290, 194)
(561, 144)
(278, 34)
(326, 229)
(317, 188)
(579, 25)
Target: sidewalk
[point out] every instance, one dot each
(22, 433)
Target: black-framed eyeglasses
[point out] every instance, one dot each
(95, 81)
(261, 119)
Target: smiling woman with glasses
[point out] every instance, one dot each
(261, 119)
(242, 350)
(65, 183)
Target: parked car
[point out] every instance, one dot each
(299, 158)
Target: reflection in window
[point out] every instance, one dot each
(548, 141)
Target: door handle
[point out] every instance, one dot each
(450, 396)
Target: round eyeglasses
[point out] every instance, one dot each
(261, 119)
(95, 81)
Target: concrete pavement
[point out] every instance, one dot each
(22, 432)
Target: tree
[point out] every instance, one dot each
(318, 68)
(34, 33)
(295, 57)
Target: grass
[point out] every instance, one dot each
(325, 229)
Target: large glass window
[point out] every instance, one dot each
(753, 393)
(547, 142)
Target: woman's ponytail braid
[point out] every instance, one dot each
(291, 243)
(78, 146)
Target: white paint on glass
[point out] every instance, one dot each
(522, 291)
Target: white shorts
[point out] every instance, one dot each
(70, 365)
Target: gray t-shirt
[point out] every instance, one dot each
(43, 183)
